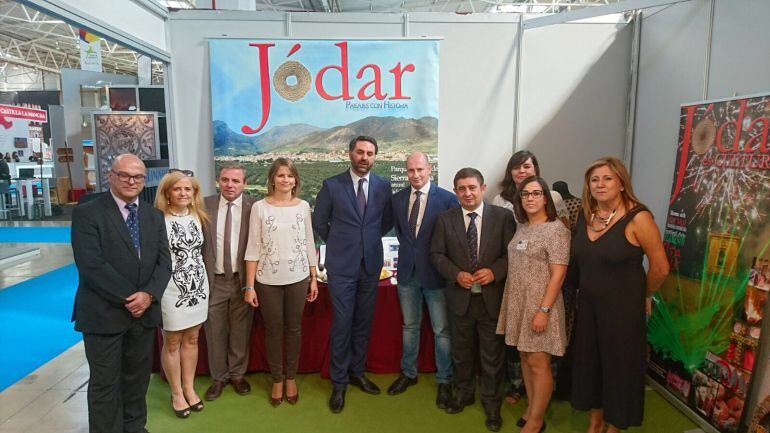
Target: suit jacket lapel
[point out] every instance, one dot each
(115, 216)
(404, 211)
(487, 222)
(350, 190)
(145, 227)
(244, 230)
(429, 210)
(214, 212)
(459, 225)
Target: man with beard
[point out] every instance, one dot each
(351, 215)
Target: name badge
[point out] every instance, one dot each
(522, 245)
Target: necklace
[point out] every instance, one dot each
(604, 221)
(187, 212)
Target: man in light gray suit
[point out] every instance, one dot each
(228, 328)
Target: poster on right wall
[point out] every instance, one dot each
(705, 327)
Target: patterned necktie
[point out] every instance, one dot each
(361, 197)
(473, 241)
(132, 222)
(414, 213)
(227, 258)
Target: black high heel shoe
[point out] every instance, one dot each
(181, 413)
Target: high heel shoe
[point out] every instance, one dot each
(181, 413)
(275, 402)
(291, 399)
(197, 407)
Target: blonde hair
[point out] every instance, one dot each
(630, 200)
(278, 163)
(197, 209)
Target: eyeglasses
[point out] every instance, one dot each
(188, 173)
(535, 194)
(125, 177)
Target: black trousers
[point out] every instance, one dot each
(475, 324)
(120, 366)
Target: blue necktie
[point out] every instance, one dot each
(132, 222)
(360, 197)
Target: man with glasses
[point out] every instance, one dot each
(121, 252)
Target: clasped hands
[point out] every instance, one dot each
(483, 276)
(137, 303)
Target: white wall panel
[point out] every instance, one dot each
(574, 96)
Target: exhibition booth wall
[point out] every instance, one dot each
(477, 84)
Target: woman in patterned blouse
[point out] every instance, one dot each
(281, 256)
(184, 305)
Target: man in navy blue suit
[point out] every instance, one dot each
(415, 209)
(352, 213)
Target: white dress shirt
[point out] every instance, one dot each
(467, 220)
(423, 203)
(355, 178)
(235, 230)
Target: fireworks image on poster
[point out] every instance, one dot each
(709, 311)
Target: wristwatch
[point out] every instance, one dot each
(545, 309)
(244, 288)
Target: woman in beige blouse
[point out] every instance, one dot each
(281, 256)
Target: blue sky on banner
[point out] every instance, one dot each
(235, 81)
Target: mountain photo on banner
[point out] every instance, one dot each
(306, 99)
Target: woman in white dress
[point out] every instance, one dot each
(281, 256)
(184, 305)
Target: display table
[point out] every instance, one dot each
(384, 354)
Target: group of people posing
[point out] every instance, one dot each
(490, 274)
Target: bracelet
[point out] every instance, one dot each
(245, 288)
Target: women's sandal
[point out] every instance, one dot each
(181, 413)
(197, 407)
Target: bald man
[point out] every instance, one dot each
(121, 252)
(415, 209)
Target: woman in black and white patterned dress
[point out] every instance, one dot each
(184, 305)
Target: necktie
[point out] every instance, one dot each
(132, 222)
(473, 237)
(414, 213)
(227, 258)
(361, 197)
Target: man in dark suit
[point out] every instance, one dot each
(352, 213)
(415, 209)
(228, 328)
(469, 249)
(121, 252)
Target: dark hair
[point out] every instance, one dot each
(353, 142)
(508, 185)
(278, 163)
(231, 166)
(467, 172)
(550, 208)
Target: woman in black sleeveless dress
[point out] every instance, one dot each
(611, 239)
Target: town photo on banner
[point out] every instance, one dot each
(305, 99)
(704, 331)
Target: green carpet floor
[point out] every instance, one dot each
(412, 412)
